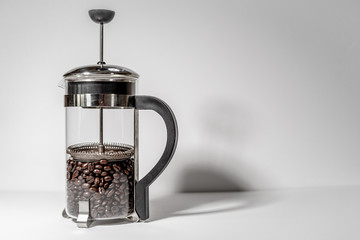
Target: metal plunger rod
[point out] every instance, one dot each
(101, 44)
(101, 147)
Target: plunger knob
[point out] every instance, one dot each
(101, 15)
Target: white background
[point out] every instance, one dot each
(266, 93)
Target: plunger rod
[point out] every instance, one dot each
(101, 147)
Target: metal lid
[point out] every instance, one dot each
(101, 73)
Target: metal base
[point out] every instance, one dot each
(84, 221)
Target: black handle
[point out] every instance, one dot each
(142, 186)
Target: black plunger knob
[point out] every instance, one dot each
(101, 15)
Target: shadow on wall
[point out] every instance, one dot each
(210, 180)
(216, 168)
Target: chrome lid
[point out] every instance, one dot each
(101, 73)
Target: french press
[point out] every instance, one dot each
(102, 119)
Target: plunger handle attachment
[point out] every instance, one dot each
(101, 16)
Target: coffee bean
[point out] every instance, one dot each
(106, 185)
(90, 179)
(98, 166)
(107, 168)
(115, 209)
(116, 176)
(86, 171)
(108, 213)
(122, 186)
(94, 212)
(85, 185)
(101, 182)
(104, 203)
(78, 182)
(111, 192)
(123, 201)
(75, 174)
(86, 194)
(94, 189)
(117, 198)
(85, 165)
(101, 209)
(91, 167)
(116, 167)
(104, 161)
(108, 178)
(68, 175)
(97, 171)
(97, 196)
(103, 174)
(97, 181)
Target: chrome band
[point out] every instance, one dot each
(98, 100)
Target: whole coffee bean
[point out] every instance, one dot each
(123, 179)
(116, 176)
(116, 168)
(78, 168)
(122, 186)
(108, 178)
(110, 193)
(86, 171)
(97, 181)
(97, 202)
(107, 168)
(126, 172)
(75, 174)
(103, 174)
(85, 185)
(106, 185)
(78, 182)
(97, 196)
(101, 182)
(103, 161)
(112, 185)
(117, 198)
(90, 179)
(98, 166)
(91, 167)
(86, 194)
(101, 209)
(85, 165)
(114, 203)
(97, 171)
(101, 190)
(104, 203)
(115, 209)
(94, 212)
(108, 212)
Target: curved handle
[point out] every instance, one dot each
(142, 186)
